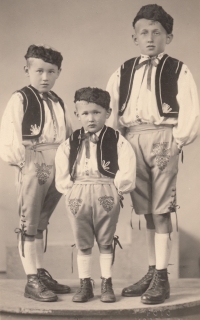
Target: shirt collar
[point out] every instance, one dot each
(144, 57)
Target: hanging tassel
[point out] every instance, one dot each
(72, 257)
(182, 156)
(45, 247)
(116, 241)
(131, 224)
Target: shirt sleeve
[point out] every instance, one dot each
(113, 89)
(188, 121)
(11, 148)
(62, 178)
(126, 175)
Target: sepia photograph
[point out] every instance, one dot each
(99, 159)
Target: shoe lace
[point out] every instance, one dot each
(106, 286)
(42, 286)
(49, 276)
(146, 277)
(84, 288)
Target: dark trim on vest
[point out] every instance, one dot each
(127, 74)
(107, 156)
(166, 87)
(169, 96)
(110, 148)
(34, 113)
(30, 93)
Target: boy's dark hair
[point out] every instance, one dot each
(45, 53)
(156, 13)
(94, 95)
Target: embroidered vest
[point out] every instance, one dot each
(34, 115)
(107, 157)
(167, 74)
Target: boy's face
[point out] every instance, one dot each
(91, 115)
(42, 74)
(151, 37)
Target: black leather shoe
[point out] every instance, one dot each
(107, 293)
(85, 292)
(50, 283)
(36, 290)
(159, 289)
(141, 286)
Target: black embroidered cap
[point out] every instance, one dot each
(94, 95)
(45, 53)
(156, 13)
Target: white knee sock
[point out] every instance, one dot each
(150, 238)
(163, 246)
(29, 261)
(106, 265)
(39, 243)
(84, 266)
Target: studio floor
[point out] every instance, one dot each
(184, 303)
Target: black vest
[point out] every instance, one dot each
(34, 114)
(167, 74)
(107, 156)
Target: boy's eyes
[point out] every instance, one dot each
(86, 113)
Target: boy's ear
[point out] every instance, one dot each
(108, 113)
(77, 115)
(26, 71)
(169, 38)
(59, 71)
(135, 39)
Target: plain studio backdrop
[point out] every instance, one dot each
(95, 38)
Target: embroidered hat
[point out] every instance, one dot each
(93, 95)
(45, 53)
(156, 13)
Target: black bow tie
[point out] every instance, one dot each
(90, 136)
(49, 95)
(149, 63)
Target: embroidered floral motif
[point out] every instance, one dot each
(43, 172)
(74, 205)
(173, 206)
(107, 202)
(105, 165)
(34, 129)
(162, 154)
(166, 108)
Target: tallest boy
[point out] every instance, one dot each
(155, 104)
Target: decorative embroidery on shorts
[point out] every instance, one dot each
(107, 202)
(74, 205)
(173, 206)
(162, 154)
(43, 172)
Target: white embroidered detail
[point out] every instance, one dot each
(166, 108)
(34, 129)
(105, 165)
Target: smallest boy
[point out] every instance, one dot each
(94, 167)
(34, 123)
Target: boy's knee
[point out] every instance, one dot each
(105, 248)
(149, 221)
(29, 237)
(39, 234)
(163, 223)
(82, 252)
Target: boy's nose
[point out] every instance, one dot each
(44, 76)
(90, 117)
(150, 38)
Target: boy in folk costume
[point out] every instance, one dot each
(94, 167)
(34, 124)
(155, 104)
